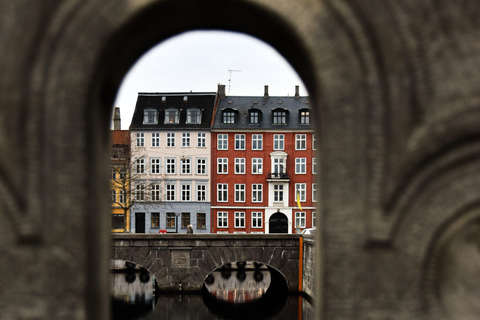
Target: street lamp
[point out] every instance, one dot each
(176, 221)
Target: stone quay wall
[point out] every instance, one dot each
(308, 265)
(182, 262)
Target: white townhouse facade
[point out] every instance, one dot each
(171, 159)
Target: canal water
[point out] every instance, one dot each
(248, 292)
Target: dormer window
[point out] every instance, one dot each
(171, 116)
(254, 116)
(150, 116)
(194, 116)
(228, 116)
(279, 116)
(305, 116)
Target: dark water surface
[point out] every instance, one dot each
(193, 307)
(247, 293)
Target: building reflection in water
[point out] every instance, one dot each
(239, 282)
(133, 291)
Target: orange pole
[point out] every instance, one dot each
(300, 267)
(300, 277)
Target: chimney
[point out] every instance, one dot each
(297, 93)
(221, 91)
(116, 119)
(265, 95)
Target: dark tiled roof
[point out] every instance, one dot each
(204, 101)
(242, 105)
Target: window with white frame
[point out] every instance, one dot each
(279, 117)
(186, 139)
(239, 142)
(114, 196)
(201, 165)
(155, 192)
(170, 192)
(186, 192)
(314, 165)
(278, 142)
(194, 116)
(201, 192)
(278, 165)
(222, 142)
(114, 173)
(155, 139)
(171, 116)
(305, 117)
(155, 165)
(140, 166)
(300, 142)
(140, 139)
(314, 219)
(301, 191)
(300, 165)
(222, 219)
(201, 140)
(239, 165)
(257, 220)
(121, 196)
(300, 219)
(257, 142)
(150, 116)
(314, 142)
(186, 165)
(239, 192)
(140, 192)
(170, 165)
(228, 116)
(257, 192)
(170, 139)
(314, 192)
(222, 165)
(222, 192)
(122, 174)
(257, 165)
(239, 219)
(278, 192)
(254, 117)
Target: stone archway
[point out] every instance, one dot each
(278, 223)
(398, 101)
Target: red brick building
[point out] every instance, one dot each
(263, 165)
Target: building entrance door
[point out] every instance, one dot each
(278, 223)
(139, 222)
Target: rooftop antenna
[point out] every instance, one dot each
(230, 79)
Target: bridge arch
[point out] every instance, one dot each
(183, 263)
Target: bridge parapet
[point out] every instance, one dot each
(181, 262)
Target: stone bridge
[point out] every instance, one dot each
(182, 262)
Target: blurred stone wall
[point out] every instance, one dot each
(394, 88)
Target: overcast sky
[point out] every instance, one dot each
(198, 61)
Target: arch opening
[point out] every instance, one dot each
(113, 69)
(245, 289)
(134, 290)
